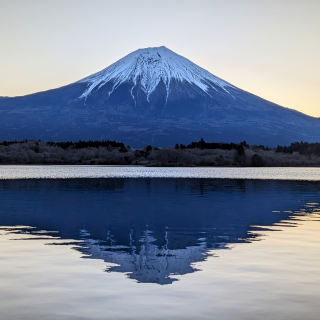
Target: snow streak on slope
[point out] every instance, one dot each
(150, 66)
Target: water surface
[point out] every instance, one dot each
(67, 172)
(183, 248)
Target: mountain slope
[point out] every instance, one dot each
(153, 96)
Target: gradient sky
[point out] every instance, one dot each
(269, 48)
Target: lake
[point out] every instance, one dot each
(89, 242)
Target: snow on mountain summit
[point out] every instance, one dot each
(148, 67)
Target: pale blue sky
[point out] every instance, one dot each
(270, 48)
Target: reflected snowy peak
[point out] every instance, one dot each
(147, 262)
(152, 230)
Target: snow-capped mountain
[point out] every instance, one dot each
(146, 68)
(153, 96)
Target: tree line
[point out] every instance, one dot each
(197, 153)
(301, 147)
(75, 145)
(218, 145)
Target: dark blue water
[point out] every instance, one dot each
(152, 248)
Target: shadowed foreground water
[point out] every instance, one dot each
(159, 248)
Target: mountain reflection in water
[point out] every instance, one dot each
(152, 229)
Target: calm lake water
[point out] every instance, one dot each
(67, 172)
(180, 247)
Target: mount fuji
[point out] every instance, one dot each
(153, 96)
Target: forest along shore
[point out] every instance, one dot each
(195, 154)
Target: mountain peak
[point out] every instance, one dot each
(147, 67)
(153, 96)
